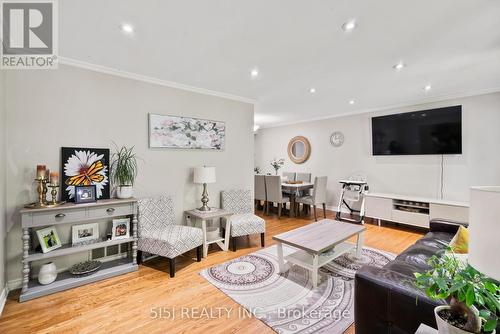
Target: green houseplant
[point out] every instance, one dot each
(124, 171)
(474, 300)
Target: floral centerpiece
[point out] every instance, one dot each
(277, 164)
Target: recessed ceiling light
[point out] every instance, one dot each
(127, 28)
(254, 73)
(349, 25)
(312, 90)
(352, 102)
(256, 127)
(399, 66)
(427, 88)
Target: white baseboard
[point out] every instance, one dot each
(15, 284)
(3, 298)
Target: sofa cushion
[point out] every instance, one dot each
(419, 254)
(438, 240)
(403, 268)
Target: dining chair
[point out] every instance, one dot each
(159, 235)
(290, 176)
(242, 221)
(260, 190)
(275, 193)
(304, 177)
(318, 195)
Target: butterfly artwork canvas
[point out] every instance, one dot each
(84, 167)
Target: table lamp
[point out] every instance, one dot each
(484, 230)
(204, 175)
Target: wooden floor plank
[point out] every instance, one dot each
(125, 303)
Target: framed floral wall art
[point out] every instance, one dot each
(186, 132)
(84, 167)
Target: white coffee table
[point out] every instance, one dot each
(313, 242)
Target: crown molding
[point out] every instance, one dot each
(148, 79)
(414, 103)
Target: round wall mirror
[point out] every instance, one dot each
(299, 149)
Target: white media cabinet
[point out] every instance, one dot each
(413, 210)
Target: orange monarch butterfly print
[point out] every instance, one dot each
(87, 176)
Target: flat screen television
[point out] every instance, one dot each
(434, 131)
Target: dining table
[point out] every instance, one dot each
(294, 190)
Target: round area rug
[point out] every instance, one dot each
(347, 264)
(287, 302)
(246, 270)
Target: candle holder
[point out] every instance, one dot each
(42, 194)
(53, 193)
(42, 190)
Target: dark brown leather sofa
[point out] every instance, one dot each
(386, 299)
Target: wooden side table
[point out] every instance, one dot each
(192, 216)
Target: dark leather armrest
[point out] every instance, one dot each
(388, 302)
(446, 225)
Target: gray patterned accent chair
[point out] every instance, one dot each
(243, 221)
(159, 235)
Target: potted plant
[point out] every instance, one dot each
(257, 170)
(124, 171)
(277, 164)
(473, 299)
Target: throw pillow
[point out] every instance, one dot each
(460, 242)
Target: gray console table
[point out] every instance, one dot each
(70, 213)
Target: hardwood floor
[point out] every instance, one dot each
(129, 303)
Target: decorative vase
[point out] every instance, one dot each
(124, 192)
(444, 327)
(47, 273)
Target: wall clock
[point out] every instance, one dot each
(337, 139)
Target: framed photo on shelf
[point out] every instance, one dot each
(121, 229)
(49, 239)
(85, 194)
(84, 233)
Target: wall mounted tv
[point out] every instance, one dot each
(434, 131)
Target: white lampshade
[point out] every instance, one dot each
(204, 175)
(484, 230)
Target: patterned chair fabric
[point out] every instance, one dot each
(243, 221)
(237, 201)
(158, 233)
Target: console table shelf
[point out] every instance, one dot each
(66, 281)
(71, 213)
(67, 249)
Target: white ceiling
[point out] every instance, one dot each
(454, 45)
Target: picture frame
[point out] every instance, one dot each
(84, 233)
(120, 229)
(48, 239)
(84, 167)
(166, 131)
(85, 194)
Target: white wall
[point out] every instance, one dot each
(74, 107)
(416, 175)
(2, 186)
